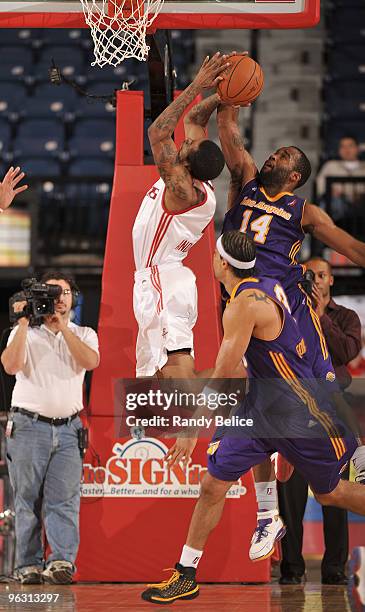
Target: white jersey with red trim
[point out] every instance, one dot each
(164, 237)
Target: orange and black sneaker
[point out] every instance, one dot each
(181, 585)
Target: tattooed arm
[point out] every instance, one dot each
(240, 163)
(180, 191)
(196, 120)
(318, 223)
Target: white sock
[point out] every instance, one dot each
(190, 557)
(358, 459)
(266, 495)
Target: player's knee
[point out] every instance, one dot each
(212, 490)
(330, 499)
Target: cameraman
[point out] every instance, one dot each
(43, 451)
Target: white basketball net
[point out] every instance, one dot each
(119, 28)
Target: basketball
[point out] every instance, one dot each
(243, 80)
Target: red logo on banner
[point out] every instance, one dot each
(137, 469)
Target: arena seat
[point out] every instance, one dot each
(346, 61)
(41, 128)
(12, 97)
(4, 135)
(16, 63)
(24, 37)
(92, 146)
(345, 99)
(71, 60)
(348, 25)
(89, 128)
(108, 73)
(41, 167)
(95, 109)
(91, 167)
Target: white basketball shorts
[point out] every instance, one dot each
(165, 307)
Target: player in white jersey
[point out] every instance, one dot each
(172, 218)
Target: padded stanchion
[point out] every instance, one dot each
(134, 514)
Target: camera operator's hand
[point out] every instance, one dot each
(57, 322)
(19, 307)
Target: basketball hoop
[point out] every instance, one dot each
(119, 28)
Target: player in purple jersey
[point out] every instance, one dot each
(257, 322)
(263, 205)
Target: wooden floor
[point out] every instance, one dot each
(213, 598)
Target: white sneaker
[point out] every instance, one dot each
(270, 529)
(29, 575)
(58, 572)
(360, 478)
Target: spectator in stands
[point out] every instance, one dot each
(348, 165)
(43, 434)
(9, 189)
(342, 330)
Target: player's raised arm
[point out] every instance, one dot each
(320, 225)
(173, 168)
(8, 187)
(240, 163)
(196, 120)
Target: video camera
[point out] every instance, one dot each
(40, 299)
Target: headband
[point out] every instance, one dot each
(236, 263)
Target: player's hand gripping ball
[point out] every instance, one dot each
(243, 80)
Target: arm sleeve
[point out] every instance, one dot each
(91, 339)
(344, 341)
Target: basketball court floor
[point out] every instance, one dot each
(312, 597)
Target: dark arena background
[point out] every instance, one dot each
(79, 132)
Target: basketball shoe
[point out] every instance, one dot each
(58, 572)
(181, 585)
(360, 478)
(270, 529)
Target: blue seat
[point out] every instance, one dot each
(336, 4)
(41, 167)
(40, 145)
(19, 36)
(95, 109)
(108, 73)
(346, 61)
(16, 63)
(101, 168)
(88, 210)
(12, 97)
(52, 92)
(345, 98)
(347, 25)
(92, 147)
(41, 128)
(70, 60)
(89, 128)
(5, 134)
(69, 36)
(39, 137)
(51, 101)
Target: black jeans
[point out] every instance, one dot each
(293, 497)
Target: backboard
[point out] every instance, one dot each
(175, 14)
